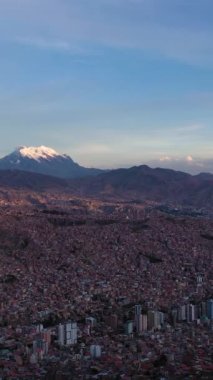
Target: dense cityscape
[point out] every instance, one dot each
(103, 290)
(106, 190)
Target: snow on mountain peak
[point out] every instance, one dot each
(38, 153)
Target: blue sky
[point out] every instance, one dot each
(110, 82)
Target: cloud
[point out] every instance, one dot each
(193, 165)
(92, 149)
(42, 43)
(57, 45)
(190, 128)
(165, 158)
(167, 28)
(189, 159)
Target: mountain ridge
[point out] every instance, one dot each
(137, 183)
(45, 161)
(144, 183)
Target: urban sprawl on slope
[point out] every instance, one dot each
(96, 290)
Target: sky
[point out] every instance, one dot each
(110, 82)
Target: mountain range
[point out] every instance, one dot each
(43, 169)
(144, 183)
(135, 184)
(46, 161)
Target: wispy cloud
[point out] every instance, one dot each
(62, 46)
(42, 43)
(132, 97)
(92, 149)
(193, 165)
(169, 28)
(190, 128)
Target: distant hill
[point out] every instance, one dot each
(144, 183)
(17, 179)
(46, 161)
(137, 183)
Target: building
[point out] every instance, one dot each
(155, 319)
(61, 335)
(138, 309)
(151, 320)
(67, 333)
(139, 323)
(202, 309)
(129, 327)
(144, 322)
(190, 313)
(182, 313)
(95, 351)
(91, 321)
(209, 309)
(40, 348)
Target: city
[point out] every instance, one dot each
(96, 290)
(106, 190)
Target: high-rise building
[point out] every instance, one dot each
(129, 327)
(199, 279)
(95, 351)
(209, 309)
(71, 333)
(182, 313)
(160, 318)
(174, 315)
(67, 333)
(139, 323)
(138, 318)
(151, 319)
(202, 309)
(144, 322)
(138, 309)
(155, 319)
(190, 313)
(39, 328)
(61, 335)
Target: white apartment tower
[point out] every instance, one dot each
(67, 333)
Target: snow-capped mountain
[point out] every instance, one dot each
(45, 160)
(38, 153)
